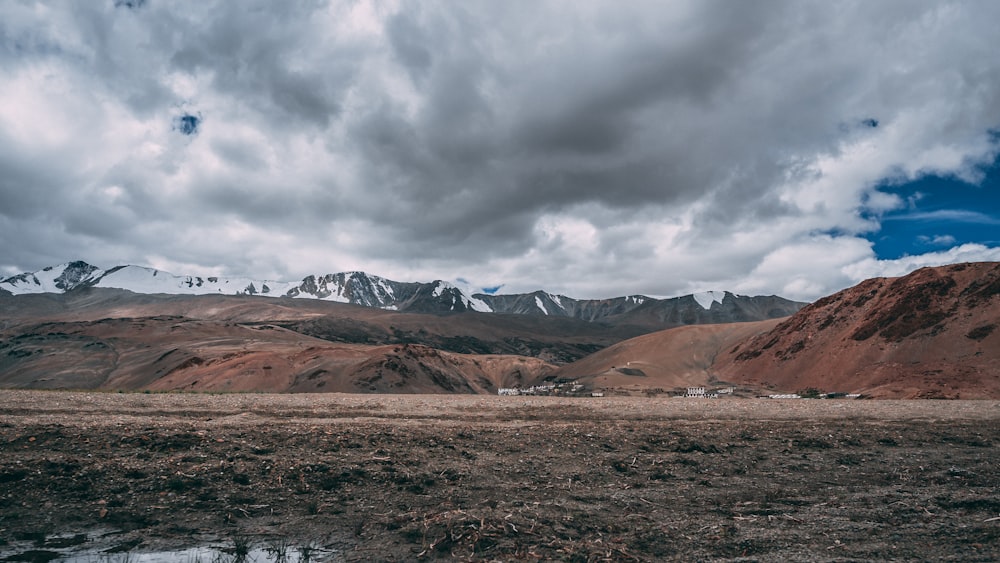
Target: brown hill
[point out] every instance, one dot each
(554, 339)
(930, 334)
(665, 360)
(178, 353)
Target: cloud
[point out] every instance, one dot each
(938, 240)
(588, 149)
(955, 215)
(870, 267)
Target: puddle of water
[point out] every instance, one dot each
(200, 555)
(81, 548)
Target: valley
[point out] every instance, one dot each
(930, 334)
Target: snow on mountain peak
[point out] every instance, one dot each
(139, 279)
(355, 287)
(460, 291)
(440, 287)
(55, 279)
(706, 298)
(538, 302)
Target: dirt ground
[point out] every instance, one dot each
(401, 478)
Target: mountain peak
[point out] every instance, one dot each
(707, 298)
(53, 279)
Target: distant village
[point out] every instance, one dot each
(573, 389)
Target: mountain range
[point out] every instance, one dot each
(934, 333)
(437, 297)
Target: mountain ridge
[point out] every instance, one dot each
(436, 297)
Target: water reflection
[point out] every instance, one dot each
(57, 548)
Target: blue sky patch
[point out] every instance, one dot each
(942, 212)
(130, 4)
(187, 124)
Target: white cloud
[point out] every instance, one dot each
(871, 267)
(960, 215)
(589, 150)
(938, 240)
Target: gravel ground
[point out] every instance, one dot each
(399, 478)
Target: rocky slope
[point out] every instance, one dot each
(934, 333)
(638, 310)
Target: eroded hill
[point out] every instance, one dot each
(179, 353)
(930, 334)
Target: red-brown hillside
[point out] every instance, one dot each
(930, 334)
(179, 353)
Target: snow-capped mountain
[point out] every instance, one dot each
(66, 277)
(56, 279)
(356, 288)
(436, 297)
(360, 288)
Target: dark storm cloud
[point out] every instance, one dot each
(26, 185)
(410, 44)
(602, 117)
(270, 55)
(593, 101)
(239, 154)
(555, 146)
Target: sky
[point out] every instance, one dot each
(590, 149)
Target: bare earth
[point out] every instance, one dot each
(392, 477)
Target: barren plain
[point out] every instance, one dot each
(401, 478)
